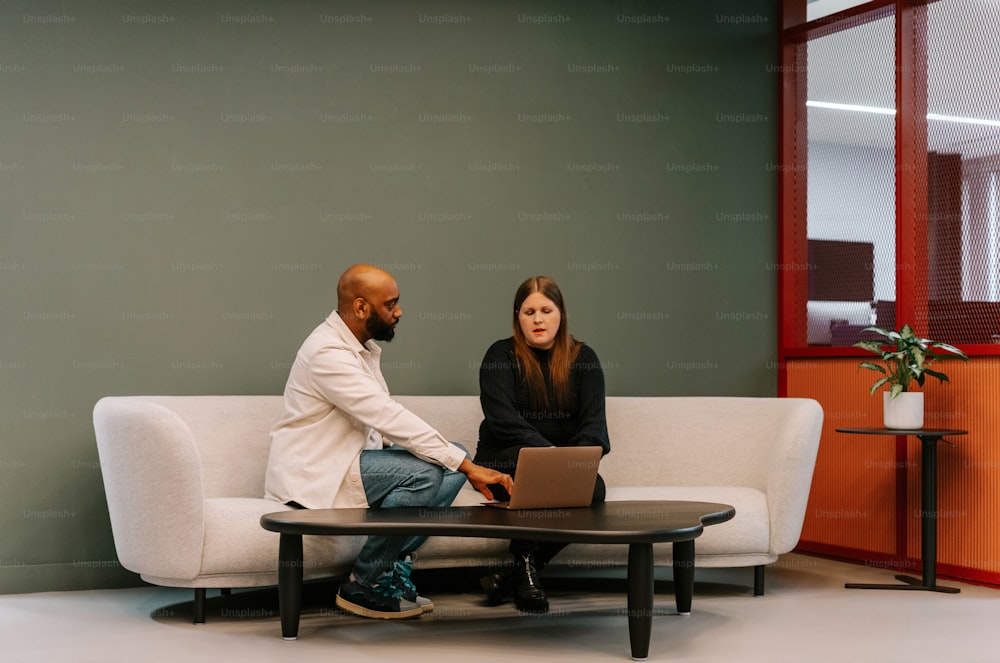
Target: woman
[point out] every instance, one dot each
(539, 388)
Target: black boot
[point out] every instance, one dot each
(528, 593)
(498, 585)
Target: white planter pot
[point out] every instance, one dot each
(905, 411)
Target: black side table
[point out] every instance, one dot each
(928, 508)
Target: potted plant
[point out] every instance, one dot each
(905, 359)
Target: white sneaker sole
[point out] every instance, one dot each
(362, 611)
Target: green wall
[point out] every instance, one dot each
(181, 184)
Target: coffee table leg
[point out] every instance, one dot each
(684, 575)
(290, 564)
(640, 598)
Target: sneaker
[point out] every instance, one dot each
(370, 602)
(397, 583)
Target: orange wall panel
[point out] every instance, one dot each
(865, 498)
(852, 501)
(968, 473)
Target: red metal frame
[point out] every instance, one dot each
(911, 160)
(911, 202)
(911, 214)
(911, 178)
(911, 141)
(791, 194)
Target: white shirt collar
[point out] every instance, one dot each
(335, 321)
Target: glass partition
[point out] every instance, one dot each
(851, 182)
(963, 140)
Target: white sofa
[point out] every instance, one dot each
(184, 479)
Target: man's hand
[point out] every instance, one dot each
(482, 477)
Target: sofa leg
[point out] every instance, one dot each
(199, 605)
(758, 580)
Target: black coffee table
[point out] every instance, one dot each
(639, 524)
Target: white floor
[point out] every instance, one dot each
(806, 615)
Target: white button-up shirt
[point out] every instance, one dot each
(337, 404)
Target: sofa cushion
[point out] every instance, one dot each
(742, 541)
(748, 531)
(746, 534)
(458, 551)
(236, 543)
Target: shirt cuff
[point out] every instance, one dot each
(453, 457)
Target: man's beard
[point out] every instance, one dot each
(378, 328)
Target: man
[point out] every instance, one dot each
(343, 442)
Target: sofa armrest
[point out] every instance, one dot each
(791, 464)
(152, 480)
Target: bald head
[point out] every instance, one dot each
(360, 281)
(367, 301)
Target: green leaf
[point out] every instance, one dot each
(870, 346)
(872, 366)
(940, 376)
(878, 384)
(952, 349)
(877, 330)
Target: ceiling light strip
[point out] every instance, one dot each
(892, 111)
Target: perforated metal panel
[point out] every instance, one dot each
(963, 139)
(851, 181)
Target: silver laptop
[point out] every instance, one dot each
(553, 477)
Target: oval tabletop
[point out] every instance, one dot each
(650, 521)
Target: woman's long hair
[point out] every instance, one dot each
(564, 349)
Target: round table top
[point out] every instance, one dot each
(918, 432)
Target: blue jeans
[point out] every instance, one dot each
(395, 477)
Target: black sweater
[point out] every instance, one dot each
(510, 420)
